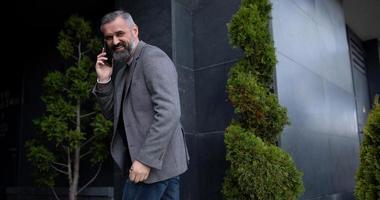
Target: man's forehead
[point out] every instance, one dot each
(116, 25)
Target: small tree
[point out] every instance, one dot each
(258, 169)
(368, 174)
(72, 130)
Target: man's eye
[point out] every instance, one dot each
(119, 34)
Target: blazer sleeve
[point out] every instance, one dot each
(162, 82)
(104, 94)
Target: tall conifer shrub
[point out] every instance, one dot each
(368, 174)
(258, 169)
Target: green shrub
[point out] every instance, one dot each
(249, 30)
(257, 108)
(368, 174)
(72, 131)
(258, 170)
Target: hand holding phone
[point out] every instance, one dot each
(104, 67)
(108, 54)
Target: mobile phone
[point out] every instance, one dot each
(108, 54)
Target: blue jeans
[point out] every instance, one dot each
(163, 190)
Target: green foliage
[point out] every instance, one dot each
(258, 171)
(52, 128)
(72, 120)
(42, 159)
(368, 174)
(77, 36)
(249, 30)
(258, 109)
(101, 128)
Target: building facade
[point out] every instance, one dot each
(327, 74)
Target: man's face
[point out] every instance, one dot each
(120, 38)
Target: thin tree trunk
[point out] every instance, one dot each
(74, 186)
(70, 174)
(75, 180)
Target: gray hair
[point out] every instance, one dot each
(109, 17)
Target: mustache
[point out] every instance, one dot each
(120, 44)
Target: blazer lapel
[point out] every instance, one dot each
(137, 54)
(122, 84)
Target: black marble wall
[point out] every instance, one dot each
(203, 57)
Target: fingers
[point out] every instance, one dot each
(137, 177)
(101, 58)
(145, 177)
(132, 176)
(103, 54)
(99, 62)
(138, 172)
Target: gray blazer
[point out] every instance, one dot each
(151, 114)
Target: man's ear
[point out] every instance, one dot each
(135, 31)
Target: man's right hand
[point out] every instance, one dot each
(103, 69)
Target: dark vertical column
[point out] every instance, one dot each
(203, 57)
(183, 57)
(213, 57)
(373, 67)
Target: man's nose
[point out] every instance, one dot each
(115, 40)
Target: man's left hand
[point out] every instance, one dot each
(138, 172)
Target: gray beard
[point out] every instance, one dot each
(126, 54)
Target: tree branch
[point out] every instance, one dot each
(60, 164)
(86, 51)
(79, 53)
(54, 193)
(88, 114)
(59, 170)
(91, 180)
(72, 121)
(88, 141)
(85, 154)
(75, 58)
(64, 147)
